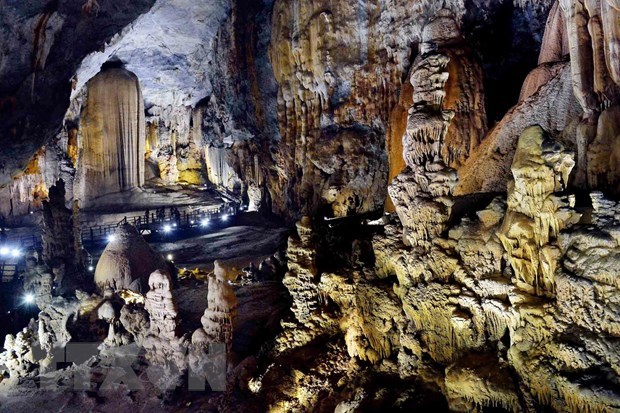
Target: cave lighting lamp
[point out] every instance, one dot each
(29, 298)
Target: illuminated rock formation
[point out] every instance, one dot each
(464, 92)
(164, 346)
(112, 128)
(301, 279)
(536, 214)
(593, 41)
(18, 358)
(217, 324)
(127, 262)
(421, 194)
(218, 319)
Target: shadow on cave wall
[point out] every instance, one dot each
(507, 40)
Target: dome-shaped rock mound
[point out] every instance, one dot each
(127, 262)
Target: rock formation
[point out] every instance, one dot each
(464, 92)
(61, 250)
(536, 215)
(127, 262)
(18, 358)
(112, 128)
(217, 322)
(421, 193)
(496, 291)
(163, 344)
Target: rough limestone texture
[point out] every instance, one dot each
(536, 213)
(217, 322)
(18, 358)
(164, 345)
(127, 262)
(62, 251)
(462, 316)
(112, 129)
(464, 90)
(421, 193)
(553, 107)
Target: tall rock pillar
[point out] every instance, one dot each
(112, 147)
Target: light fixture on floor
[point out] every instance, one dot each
(167, 228)
(204, 222)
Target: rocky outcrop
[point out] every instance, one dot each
(18, 358)
(217, 322)
(62, 252)
(547, 99)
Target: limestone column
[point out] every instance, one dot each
(112, 147)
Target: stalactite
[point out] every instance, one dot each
(112, 146)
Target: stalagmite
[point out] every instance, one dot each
(464, 92)
(60, 251)
(127, 262)
(217, 323)
(536, 214)
(421, 194)
(164, 345)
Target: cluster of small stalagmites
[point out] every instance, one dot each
(421, 194)
(18, 358)
(536, 213)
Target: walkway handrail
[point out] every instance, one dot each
(191, 216)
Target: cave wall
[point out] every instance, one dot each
(342, 65)
(234, 92)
